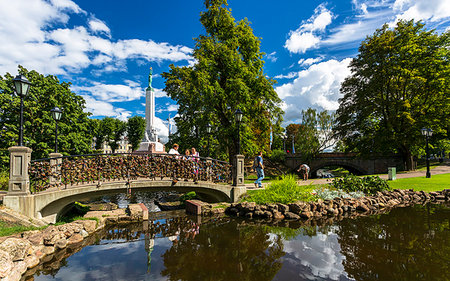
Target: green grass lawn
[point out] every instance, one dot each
(435, 183)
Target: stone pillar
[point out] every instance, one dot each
(238, 170)
(208, 169)
(19, 161)
(55, 166)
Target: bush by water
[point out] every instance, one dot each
(369, 185)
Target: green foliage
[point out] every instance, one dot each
(278, 156)
(75, 128)
(4, 180)
(188, 196)
(228, 75)
(135, 131)
(283, 191)
(400, 83)
(368, 185)
(314, 135)
(109, 130)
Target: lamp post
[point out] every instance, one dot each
(427, 132)
(208, 131)
(22, 86)
(238, 118)
(56, 114)
(283, 135)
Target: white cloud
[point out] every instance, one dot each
(112, 92)
(317, 87)
(97, 26)
(103, 108)
(306, 37)
(433, 10)
(272, 57)
(31, 27)
(309, 61)
(287, 76)
(169, 108)
(159, 93)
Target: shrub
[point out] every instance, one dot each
(278, 156)
(368, 185)
(4, 179)
(283, 191)
(188, 196)
(329, 193)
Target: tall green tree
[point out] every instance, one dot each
(400, 83)
(228, 74)
(135, 131)
(46, 92)
(314, 135)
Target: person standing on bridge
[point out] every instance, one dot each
(195, 157)
(174, 151)
(304, 170)
(258, 166)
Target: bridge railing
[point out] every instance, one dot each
(97, 168)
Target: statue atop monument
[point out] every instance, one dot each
(150, 79)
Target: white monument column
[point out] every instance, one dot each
(150, 142)
(150, 130)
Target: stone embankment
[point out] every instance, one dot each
(25, 251)
(337, 207)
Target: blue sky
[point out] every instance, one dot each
(105, 48)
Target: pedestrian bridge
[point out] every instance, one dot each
(55, 183)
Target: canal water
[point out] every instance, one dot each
(411, 243)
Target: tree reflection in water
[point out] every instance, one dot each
(224, 251)
(406, 244)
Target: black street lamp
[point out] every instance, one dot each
(22, 86)
(427, 132)
(208, 130)
(56, 114)
(238, 118)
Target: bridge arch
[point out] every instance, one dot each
(48, 205)
(352, 168)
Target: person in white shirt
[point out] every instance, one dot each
(174, 149)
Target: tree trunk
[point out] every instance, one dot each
(407, 158)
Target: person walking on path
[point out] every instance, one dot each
(258, 166)
(304, 170)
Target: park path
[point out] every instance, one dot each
(442, 169)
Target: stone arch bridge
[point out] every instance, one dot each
(42, 189)
(375, 164)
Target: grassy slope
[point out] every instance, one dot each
(435, 183)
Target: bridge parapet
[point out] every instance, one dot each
(97, 168)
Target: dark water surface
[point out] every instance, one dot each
(411, 243)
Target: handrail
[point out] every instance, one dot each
(128, 153)
(89, 168)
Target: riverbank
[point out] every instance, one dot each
(24, 251)
(382, 201)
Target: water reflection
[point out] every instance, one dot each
(407, 244)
